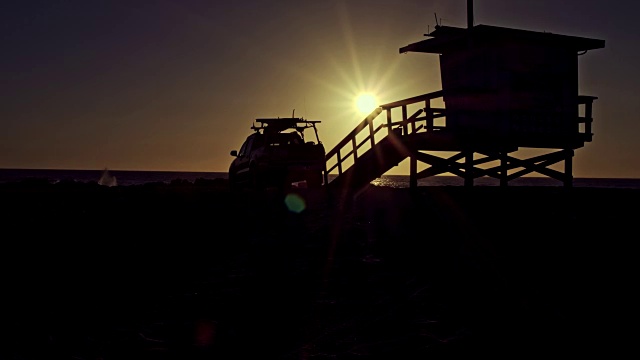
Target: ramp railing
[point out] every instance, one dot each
(366, 134)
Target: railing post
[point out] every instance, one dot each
(339, 160)
(371, 132)
(389, 121)
(428, 115)
(413, 124)
(355, 149)
(404, 120)
(588, 117)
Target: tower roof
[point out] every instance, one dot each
(445, 38)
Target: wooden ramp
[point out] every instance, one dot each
(371, 150)
(386, 154)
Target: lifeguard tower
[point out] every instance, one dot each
(502, 89)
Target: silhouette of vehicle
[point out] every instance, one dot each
(278, 155)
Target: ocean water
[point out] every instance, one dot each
(109, 177)
(105, 176)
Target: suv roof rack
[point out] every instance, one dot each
(280, 124)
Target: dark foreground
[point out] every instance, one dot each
(190, 271)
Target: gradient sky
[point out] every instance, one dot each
(176, 84)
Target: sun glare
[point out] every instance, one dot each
(365, 103)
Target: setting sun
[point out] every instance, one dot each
(365, 103)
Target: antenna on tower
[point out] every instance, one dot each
(469, 14)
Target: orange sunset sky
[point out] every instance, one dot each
(176, 84)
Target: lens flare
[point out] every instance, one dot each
(295, 203)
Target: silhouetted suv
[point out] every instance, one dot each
(277, 155)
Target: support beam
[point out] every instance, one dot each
(439, 165)
(468, 168)
(541, 167)
(568, 168)
(413, 172)
(504, 169)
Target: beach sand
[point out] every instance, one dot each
(191, 271)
